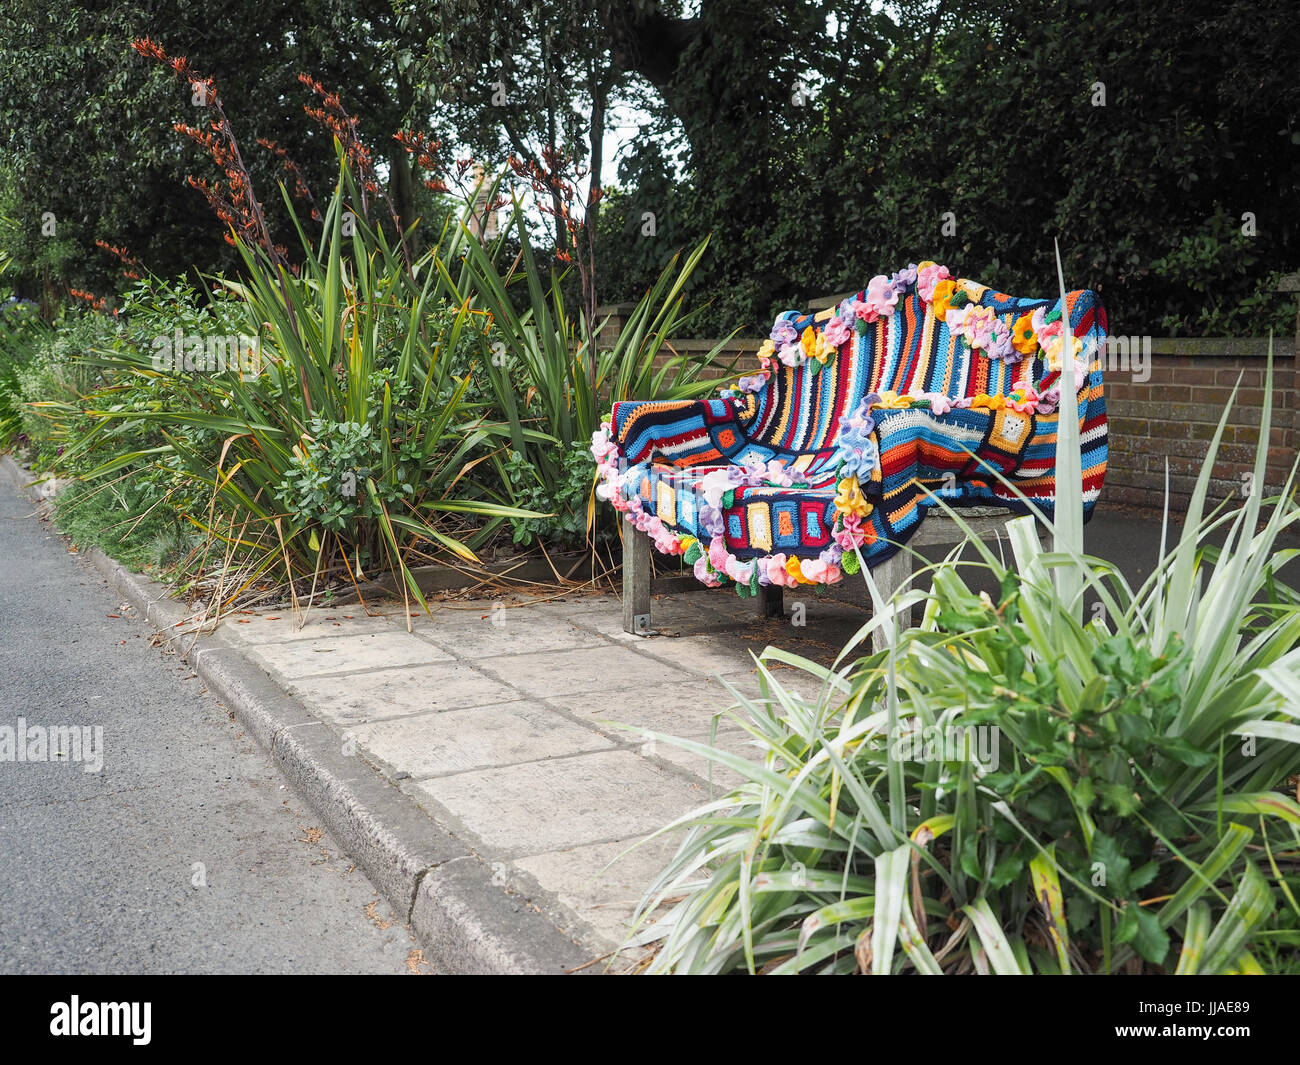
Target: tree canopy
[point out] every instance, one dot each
(819, 142)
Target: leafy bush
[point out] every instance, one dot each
(1122, 810)
(566, 501)
(22, 332)
(355, 399)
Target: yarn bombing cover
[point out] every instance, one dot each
(919, 386)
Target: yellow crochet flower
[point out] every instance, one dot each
(1054, 347)
(792, 568)
(1023, 337)
(943, 292)
(989, 402)
(815, 345)
(850, 499)
(893, 401)
(766, 351)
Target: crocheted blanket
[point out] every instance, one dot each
(920, 386)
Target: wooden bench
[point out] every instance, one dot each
(921, 383)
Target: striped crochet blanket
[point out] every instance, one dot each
(922, 385)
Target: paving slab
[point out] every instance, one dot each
(275, 626)
(346, 653)
(503, 631)
(602, 668)
(455, 741)
(603, 882)
(671, 709)
(535, 807)
(383, 694)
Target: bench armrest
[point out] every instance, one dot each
(682, 433)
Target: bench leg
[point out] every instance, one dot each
(771, 601)
(636, 580)
(889, 577)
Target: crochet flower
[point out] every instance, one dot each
(711, 520)
(848, 532)
(942, 294)
(850, 500)
(704, 574)
(839, 330)
(752, 382)
(817, 571)
(956, 319)
(815, 345)
(740, 572)
(865, 311)
(939, 403)
(893, 401)
(774, 473)
(794, 567)
(1044, 329)
(766, 352)
(783, 332)
(903, 280)
(1001, 346)
(601, 444)
(927, 276)
(1056, 344)
(715, 484)
(1023, 398)
(977, 325)
(859, 460)
(860, 420)
(791, 354)
(718, 553)
(1023, 337)
(881, 296)
(778, 574)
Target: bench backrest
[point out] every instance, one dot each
(911, 351)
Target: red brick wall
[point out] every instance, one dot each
(1173, 416)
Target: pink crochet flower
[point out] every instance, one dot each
(703, 574)
(601, 444)
(977, 325)
(956, 319)
(849, 534)
(777, 573)
(839, 330)
(819, 572)
(929, 276)
(738, 571)
(881, 296)
(718, 554)
(865, 311)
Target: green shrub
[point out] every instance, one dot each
(350, 443)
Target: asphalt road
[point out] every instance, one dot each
(185, 852)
